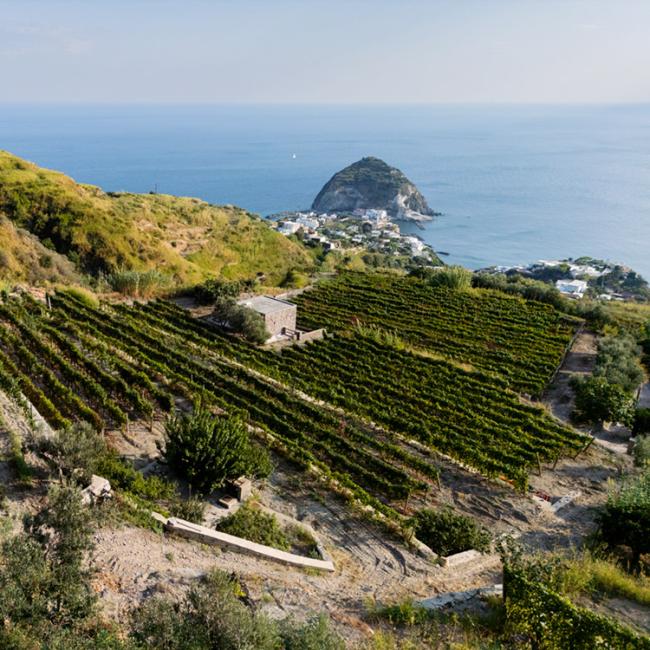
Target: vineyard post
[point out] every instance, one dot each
(587, 445)
(539, 464)
(557, 458)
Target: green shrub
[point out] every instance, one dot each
(641, 422)
(76, 451)
(618, 362)
(596, 400)
(191, 509)
(625, 519)
(641, 451)
(253, 524)
(207, 450)
(122, 474)
(447, 532)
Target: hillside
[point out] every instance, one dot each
(372, 184)
(185, 238)
(23, 258)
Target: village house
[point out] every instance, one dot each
(572, 288)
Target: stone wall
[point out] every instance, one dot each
(278, 320)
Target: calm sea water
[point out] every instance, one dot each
(514, 184)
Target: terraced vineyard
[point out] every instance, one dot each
(523, 341)
(81, 358)
(468, 415)
(368, 416)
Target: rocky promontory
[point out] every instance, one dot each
(368, 184)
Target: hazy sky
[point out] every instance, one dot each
(325, 50)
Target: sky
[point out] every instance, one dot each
(325, 51)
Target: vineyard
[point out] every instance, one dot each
(369, 417)
(470, 416)
(110, 366)
(522, 341)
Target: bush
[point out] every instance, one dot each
(596, 400)
(641, 422)
(625, 519)
(447, 532)
(192, 509)
(253, 524)
(122, 474)
(641, 451)
(208, 450)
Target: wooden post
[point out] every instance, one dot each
(555, 461)
(539, 465)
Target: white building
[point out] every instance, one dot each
(289, 228)
(572, 288)
(308, 222)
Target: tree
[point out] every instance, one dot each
(618, 361)
(64, 530)
(208, 450)
(44, 576)
(596, 400)
(75, 452)
(240, 319)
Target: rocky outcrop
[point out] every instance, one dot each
(372, 184)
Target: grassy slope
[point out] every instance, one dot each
(23, 258)
(183, 237)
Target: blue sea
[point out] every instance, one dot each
(513, 183)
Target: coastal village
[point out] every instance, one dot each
(362, 229)
(583, 277)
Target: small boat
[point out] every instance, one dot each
(442, 253)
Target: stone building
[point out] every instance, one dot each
(279, 315)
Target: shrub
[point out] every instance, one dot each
(596, 400)
(191, 509)
(625, 519)
(122, 474)
(208, 450)
(213, 615)
(641, 451)
(253, 524)
(447, 532)
(641, 422)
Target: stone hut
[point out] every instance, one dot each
(279, 315)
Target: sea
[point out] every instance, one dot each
(513, 183)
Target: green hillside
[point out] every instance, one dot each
(185, 238)
(24, 259)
